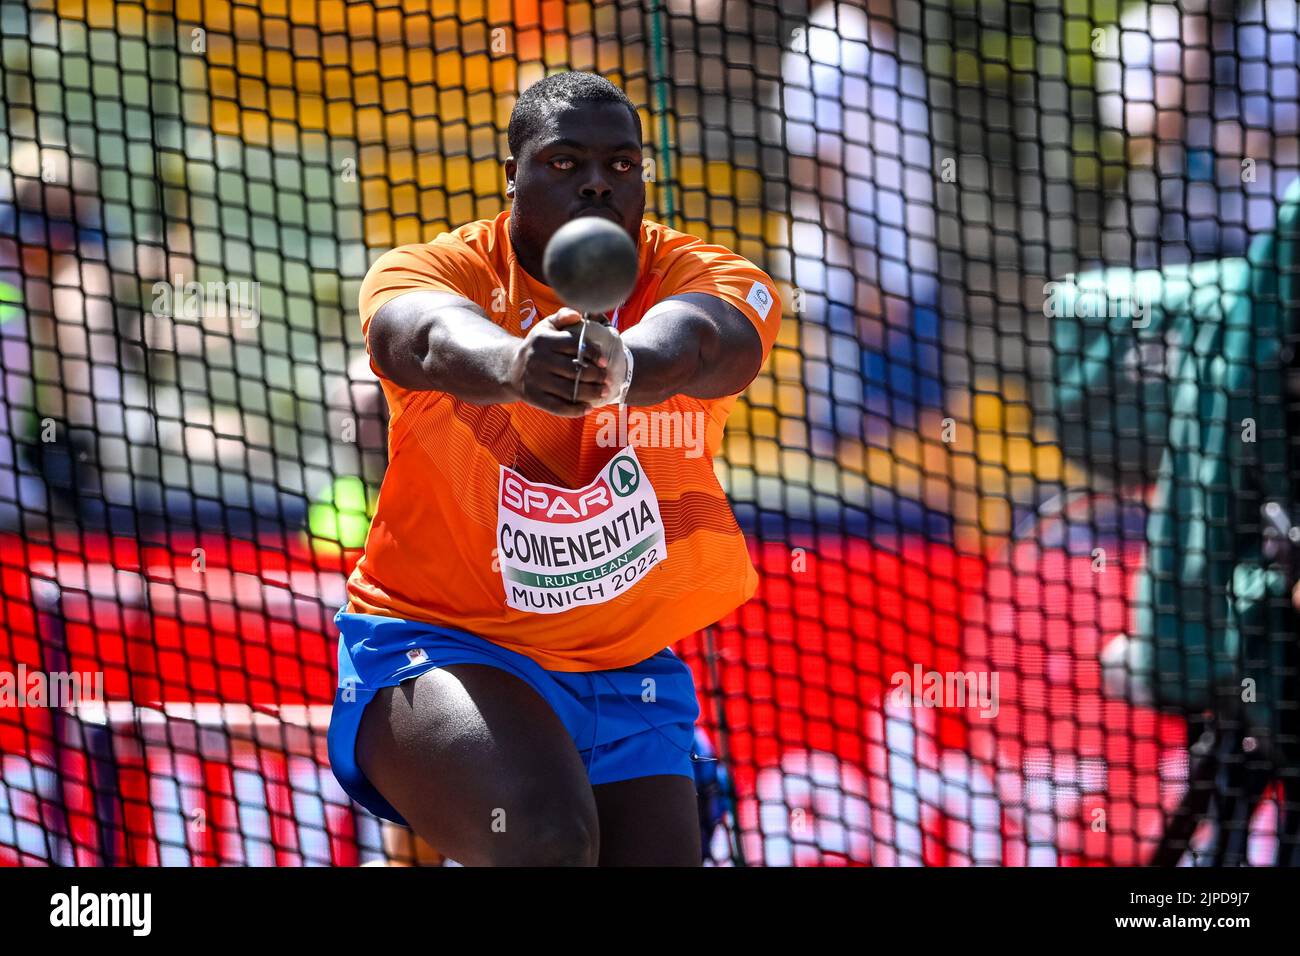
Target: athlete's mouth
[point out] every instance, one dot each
(603, 211)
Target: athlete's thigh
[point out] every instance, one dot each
(481, 768)
(649, 821)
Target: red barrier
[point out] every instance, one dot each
(828, 768)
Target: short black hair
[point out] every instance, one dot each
(556, 91)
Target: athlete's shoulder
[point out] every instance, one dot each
(470, 247)
(486, 237)
(468, 251)
(679, 263)
(670, 248)
(458, 261)
(664, 241)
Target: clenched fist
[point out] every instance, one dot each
(613, 356)
(542, 371)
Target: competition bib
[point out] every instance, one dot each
(561, 548)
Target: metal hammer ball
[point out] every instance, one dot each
(591, 263)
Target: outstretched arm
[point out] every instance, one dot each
(444, 342)
(692, 344)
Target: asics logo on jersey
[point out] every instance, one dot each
(527, 312)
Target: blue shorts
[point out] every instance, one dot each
(636, 721)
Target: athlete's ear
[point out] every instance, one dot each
(511, 168)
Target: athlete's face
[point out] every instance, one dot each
(584, 161)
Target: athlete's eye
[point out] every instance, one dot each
(625, 165)
(559, 161)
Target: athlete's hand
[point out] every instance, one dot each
(542, 372)
(612, 356)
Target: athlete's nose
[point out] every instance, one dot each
(596, 188)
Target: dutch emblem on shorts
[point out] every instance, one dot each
(417, 655)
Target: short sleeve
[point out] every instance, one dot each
(445, 265)
(715, 270)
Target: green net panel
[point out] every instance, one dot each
(1017, 476)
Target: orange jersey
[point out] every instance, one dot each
(501, 520)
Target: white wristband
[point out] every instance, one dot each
(620, 394)
(627, 382)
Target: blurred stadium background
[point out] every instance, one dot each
(183, 490)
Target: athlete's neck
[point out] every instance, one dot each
(529, 260)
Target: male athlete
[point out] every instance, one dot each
(506, 686)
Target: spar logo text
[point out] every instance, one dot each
(546, 502)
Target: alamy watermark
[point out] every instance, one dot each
(198, 300)
(25, 688)
(651, 429)
(1096, 301)
(133, 911)
(917, 688)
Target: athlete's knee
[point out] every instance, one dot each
(570, 838)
